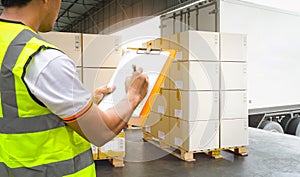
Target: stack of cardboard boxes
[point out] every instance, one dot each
(233, 92)
(96, 56)
(101, 56)
(192, 109)
(202, 104)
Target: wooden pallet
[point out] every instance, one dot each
(188, 156)
(115, 161)
(129, 126)
(132, 127)
(242, 151)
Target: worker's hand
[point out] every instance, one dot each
(100, 92)
(136, 87)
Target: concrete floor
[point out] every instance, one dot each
(270, 155)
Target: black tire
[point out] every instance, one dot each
(293, 127)
(271, 126)
(297, 133)
(284, 122)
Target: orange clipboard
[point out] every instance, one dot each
(140, 121)
(159, 60)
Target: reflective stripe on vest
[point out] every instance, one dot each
(30, 125)
(7, 81)
(39, 144)
(56, 169)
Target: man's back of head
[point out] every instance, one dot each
(14, 3)
(39, 15)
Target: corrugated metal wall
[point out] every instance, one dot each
(114, 15)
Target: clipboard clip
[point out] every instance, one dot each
(148, 50)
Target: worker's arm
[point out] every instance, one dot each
(51, 77)
(98, 126)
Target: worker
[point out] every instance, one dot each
(47, 118)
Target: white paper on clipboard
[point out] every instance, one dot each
(152, 65)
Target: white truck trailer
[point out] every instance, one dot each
(273, 54)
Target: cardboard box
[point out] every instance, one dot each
(233, 76)
(162, 43)
(161, 104)
(69, 43)
(194, 75)
(233, 104)
(166, 83)
(101, 50)
(152, 119)
(158, 126)
(182, 51)
(113, 148)
(194, 136)
(196, 45)
(234, 133)
(96, 77)
(194, 105)
(233, 47)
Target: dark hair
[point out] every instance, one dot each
(14, 3)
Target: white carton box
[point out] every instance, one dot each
(117, 144)
(233, 104)
(234, 133)
(69, 43)
(194, 105)
(101, 50)
(158, 43)
(196, 45)
(162, 43)
(158, 126)
(194, 75)
(233, 47)
(161, 104)
(233, 76)
(194, 136)
(96, 77)
(113, 148)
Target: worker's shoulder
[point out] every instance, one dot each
(50, 62)
(53, 54)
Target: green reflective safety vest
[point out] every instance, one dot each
(33, 141)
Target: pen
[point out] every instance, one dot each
(134, 68)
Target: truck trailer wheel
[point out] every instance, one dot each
(293, 127)
(297, 133)
(271, 126)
